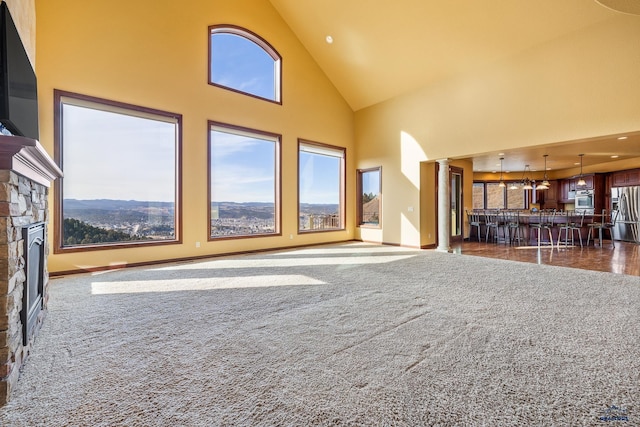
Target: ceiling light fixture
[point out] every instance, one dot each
(581, 182)
(329, 39)
(545, 184)
(502, 184)
(527, 184)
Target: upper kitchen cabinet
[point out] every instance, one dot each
(549, 198)
(568, 187)
(567, 191)
(589, 183)
(624, 178)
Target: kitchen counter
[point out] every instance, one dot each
(527, 218)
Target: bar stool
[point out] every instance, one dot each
(573, 223)
(474, 221)
(491, 222)
(512, 224)
(545, 222)
(608, 223)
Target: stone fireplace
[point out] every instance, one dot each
(26, 173)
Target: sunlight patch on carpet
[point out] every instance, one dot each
(346, 250)
(287, 262)
(210, 283)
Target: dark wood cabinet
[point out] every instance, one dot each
(549, 197)
(624, 178)
(565, 186)
(589, 184)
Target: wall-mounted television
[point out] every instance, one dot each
(18, 85)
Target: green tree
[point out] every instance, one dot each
(368, 197)
(76, 232)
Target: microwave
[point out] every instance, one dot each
(584, 199)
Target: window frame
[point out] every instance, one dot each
(342, 184)
(506, 192)
(119, 107)
(263, 44)
(360, 189)
(239, 130)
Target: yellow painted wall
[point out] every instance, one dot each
(153, 53)
(23, 13)
(581, 85)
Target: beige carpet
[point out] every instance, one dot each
(351, 334)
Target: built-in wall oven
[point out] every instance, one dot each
(584, 201)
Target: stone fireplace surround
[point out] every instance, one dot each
(26, 173)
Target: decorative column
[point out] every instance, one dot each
(444, 205)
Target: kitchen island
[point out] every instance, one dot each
(527, 218)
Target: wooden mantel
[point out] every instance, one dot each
(28, 158)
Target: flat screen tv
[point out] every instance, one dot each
(18, 85)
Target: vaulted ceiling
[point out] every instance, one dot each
(382, 49)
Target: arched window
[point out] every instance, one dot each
(244, 62)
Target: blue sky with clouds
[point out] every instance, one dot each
(107, 155)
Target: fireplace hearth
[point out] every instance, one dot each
(26, 173)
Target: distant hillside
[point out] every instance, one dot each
(318, 208)
(265, 210)
(108, 204)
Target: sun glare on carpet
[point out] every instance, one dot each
(344, 251)
(267, 262)
(201, 284)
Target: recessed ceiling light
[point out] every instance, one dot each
(329, 39)
(622, 137)
(614, 157)
(500, 154)
(576, 164)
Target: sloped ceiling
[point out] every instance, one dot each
(383, 48)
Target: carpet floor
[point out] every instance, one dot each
(350, 334)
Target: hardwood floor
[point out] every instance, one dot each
(623, 259)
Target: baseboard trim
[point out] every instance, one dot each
(185, 259)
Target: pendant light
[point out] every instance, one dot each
(545, 184)
(581, 182)
(502, 184)
(526, 183)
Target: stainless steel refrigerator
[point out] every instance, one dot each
(626, 200)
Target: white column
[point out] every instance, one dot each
(444, 204)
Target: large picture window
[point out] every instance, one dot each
(244, 62)
(121, 173)
(244, 182)
(489, 195)
(321, 183)
(369, 197)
